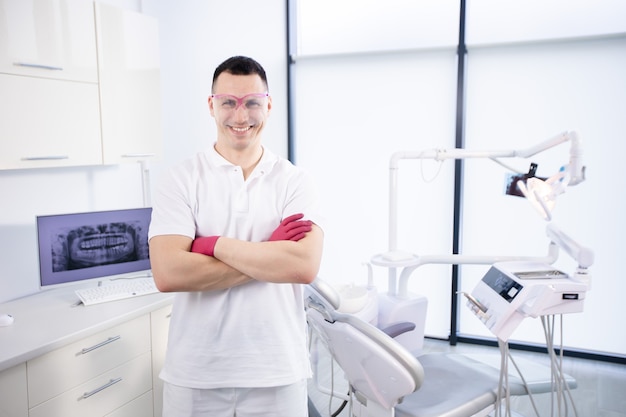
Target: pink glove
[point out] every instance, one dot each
(204, 245)
(292, 228)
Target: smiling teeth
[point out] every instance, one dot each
(241, 129)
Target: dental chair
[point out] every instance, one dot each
(386, 380)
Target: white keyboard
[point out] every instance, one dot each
(119, 290)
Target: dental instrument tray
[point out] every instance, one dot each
(512, 291)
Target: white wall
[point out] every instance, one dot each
(195, 37)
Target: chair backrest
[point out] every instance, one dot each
(376, 366)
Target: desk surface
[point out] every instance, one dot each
(48, 320)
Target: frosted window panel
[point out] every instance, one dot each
(351, 115)
(502, 21)
(345, 26)
(520, 96)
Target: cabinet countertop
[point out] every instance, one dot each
(50, 319)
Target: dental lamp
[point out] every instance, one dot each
(541, 194)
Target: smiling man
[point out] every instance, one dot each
(235, 233)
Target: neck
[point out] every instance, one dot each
(247, 158)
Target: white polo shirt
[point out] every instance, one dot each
(252, 335)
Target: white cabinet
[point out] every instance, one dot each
(130, 100)
(65, 131)
(53, 373)
(80, 84)
(48, 38)
(96, 361)
(94, 376)
(48, 78)
(13, 395)
(160, 322)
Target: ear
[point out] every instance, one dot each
(210, 102)
(269, 105)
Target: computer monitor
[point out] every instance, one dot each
(92, 246)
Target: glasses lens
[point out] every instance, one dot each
(254, 102)
(250, 102)
(225, 102)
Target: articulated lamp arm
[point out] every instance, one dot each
(541, 194)
(573, 173)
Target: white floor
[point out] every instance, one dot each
(601, 390)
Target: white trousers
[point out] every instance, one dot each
(284, 401)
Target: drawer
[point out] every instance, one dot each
(103, 394)
(139, 407)
(58, 371)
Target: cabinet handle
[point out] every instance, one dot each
(137, 155)
(40, 66)
(99, 345)
(45, 158)
(97, 390)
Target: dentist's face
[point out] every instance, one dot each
(240, 106)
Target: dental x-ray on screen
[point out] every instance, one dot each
(93, 245)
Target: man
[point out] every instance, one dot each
(234, 233)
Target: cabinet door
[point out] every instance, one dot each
(129, 71)
(48, 123)
(13, 399)
(160, 324)
(48, 38)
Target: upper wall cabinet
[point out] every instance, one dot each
(78, 85)
(49, 39)
(49, 100)
(48, 123)
(129, 68)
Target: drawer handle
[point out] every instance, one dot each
(138, 155)
(45, 158)
(99, 345)
(97, 390)
(40, 66)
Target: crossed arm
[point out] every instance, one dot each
(234, 262)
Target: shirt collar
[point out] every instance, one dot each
(268, 159)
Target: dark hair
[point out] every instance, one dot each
(240, 65)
